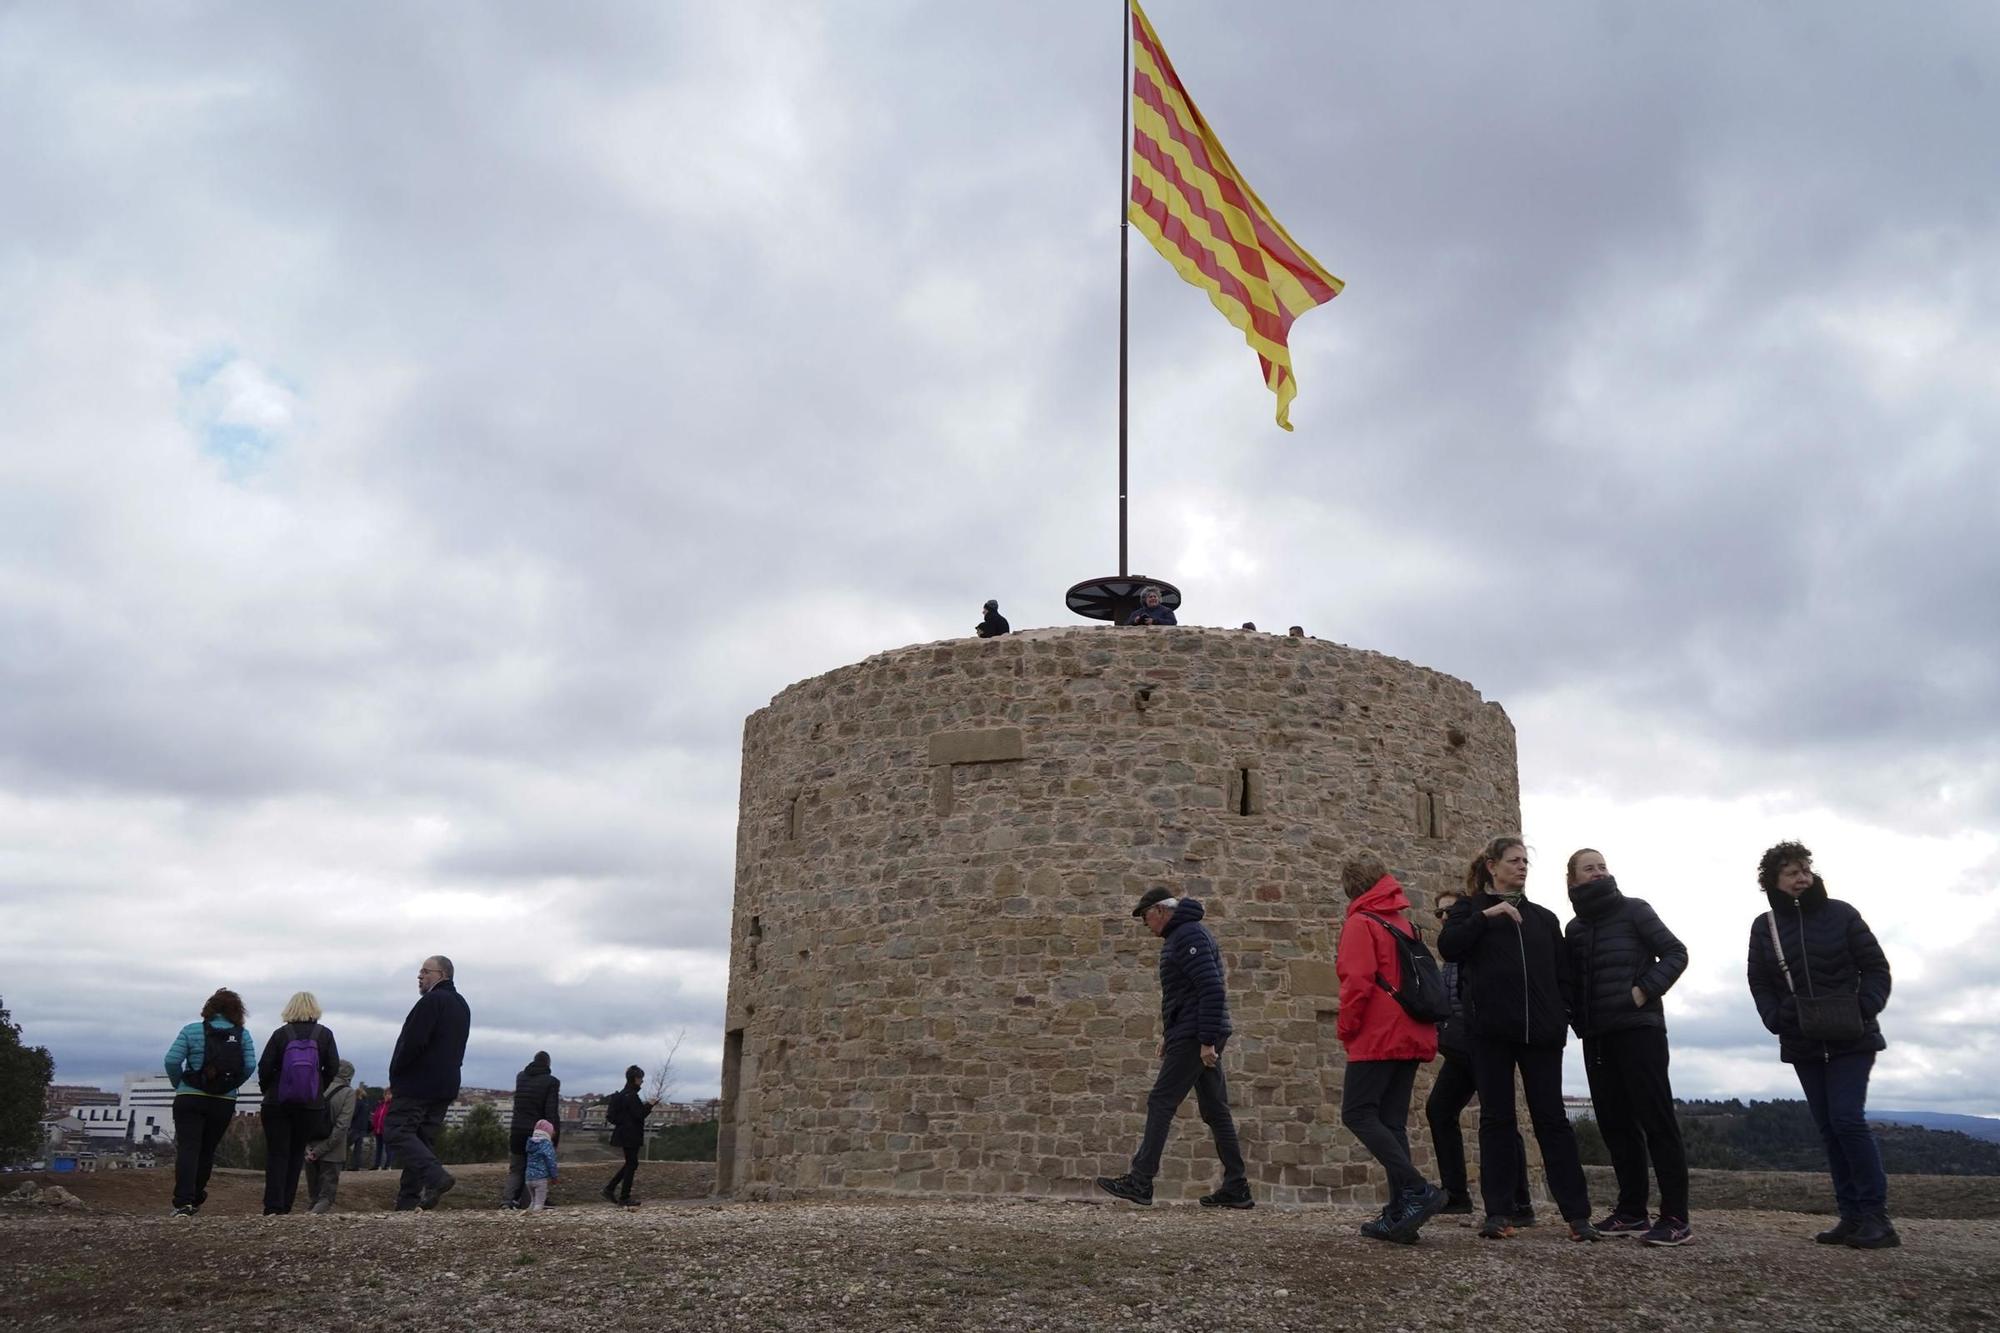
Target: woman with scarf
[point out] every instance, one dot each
(1624, 959)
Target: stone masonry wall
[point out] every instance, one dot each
(935, 981)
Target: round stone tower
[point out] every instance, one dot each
(935, 981)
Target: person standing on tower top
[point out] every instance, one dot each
(1151, 610)
(1194, 1016)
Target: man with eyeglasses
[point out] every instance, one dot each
(423, 1083)
(1451, 1092)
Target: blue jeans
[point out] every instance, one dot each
(1837, 1092)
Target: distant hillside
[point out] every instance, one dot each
(1978, 1126)
(1781, 1136)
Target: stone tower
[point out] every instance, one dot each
(935, 983)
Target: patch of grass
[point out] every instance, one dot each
(525, 1258)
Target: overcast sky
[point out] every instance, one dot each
(426, 432)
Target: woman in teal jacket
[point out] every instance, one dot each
(208, 1062)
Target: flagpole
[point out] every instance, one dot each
(1124, 238)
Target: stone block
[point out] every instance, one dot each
(990, 746)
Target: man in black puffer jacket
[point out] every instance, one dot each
(1827, 951)
(1194, 1019)
(1624, 959)
(537, 1096)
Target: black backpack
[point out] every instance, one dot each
(221, 1059)
(1423, 995)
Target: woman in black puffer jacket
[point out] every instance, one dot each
(1825, 949)
(1623, 959)
(1513, 975)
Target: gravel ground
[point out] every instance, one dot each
(965, 1265)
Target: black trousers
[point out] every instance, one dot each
(1375, 1107)
(1451, 1092)
(411, 1130)
(199, 1124)
(287, 1130)
(1493, 1066)
(1635, 1111)
(1181, 1069)
(620, 1186)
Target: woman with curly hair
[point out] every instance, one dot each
(1820, 979)
(208, 1062)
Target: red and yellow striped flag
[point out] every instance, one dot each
(1192, 203)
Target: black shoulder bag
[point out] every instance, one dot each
(1821, 1017)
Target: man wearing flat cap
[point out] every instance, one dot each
(1194, 1019)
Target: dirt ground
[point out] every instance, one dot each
(241, 1193)
(945, 1265)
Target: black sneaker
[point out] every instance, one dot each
(1524, 1218)
(185, 1210)
(1418, 1207)
(428, 1198)
(1668, 1231)
(622, 1203)
(1838, 1233)
(1624, 1224)
(1228, 1199)
(1381, 1228)
(1457, 1205)
(1874, 1233)
(1496, 1228)
(1130, 1188)
(610, 1196)
(1581, 1230)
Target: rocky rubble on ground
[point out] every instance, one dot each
(47, 1196)
(957, 1266)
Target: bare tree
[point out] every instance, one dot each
(663, 1077)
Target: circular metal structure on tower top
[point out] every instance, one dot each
(1117, 597)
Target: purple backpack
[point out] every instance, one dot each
(298, 1071)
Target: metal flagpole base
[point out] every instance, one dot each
(1115, 598)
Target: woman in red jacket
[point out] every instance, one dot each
(1384, 1045)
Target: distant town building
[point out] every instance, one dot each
(501, 1102)
(62, 1096)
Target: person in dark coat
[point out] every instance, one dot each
(365, 1103)
(1624, 959)
(537, 1097)
(1151, 610)
(423, 1082)
(1514, 973)
(1384, 1044)
(1824, 949)
(1451, 1092)
(1194, 1020)
(294, 1110)
(993, 624)
(626, 1111)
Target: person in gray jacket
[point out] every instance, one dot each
(324, 1156)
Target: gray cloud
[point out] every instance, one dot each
(637, 362)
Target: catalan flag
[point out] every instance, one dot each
(1192, 203)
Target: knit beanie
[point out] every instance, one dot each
(544, 1127)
